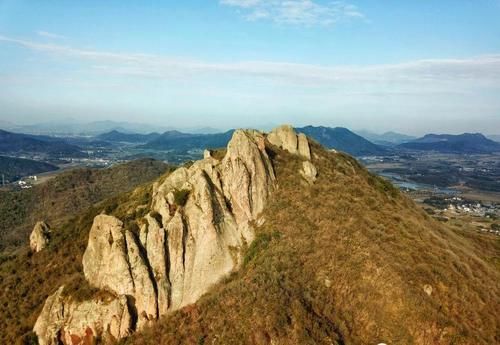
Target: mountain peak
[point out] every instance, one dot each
(199, 221)
(448, 143)
(342, 139)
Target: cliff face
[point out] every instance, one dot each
(198, 225)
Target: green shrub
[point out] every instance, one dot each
(181, 196)
(260, 243)
(29, 338)
(157, 216)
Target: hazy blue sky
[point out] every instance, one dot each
(411, 66)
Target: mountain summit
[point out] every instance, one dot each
(342, 139)
(273, 240)
(199, 221)
(447, 143)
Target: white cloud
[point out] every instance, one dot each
(296, 12)
(468, 71)
(241, 3)
(49, 35)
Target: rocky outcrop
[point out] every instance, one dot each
(205, 236)
(309, 171)
(113, 262)
(286, 138)
(65, 321)
(199, 222)
(207, 154)
(39, 238)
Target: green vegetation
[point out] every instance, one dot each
(181, 196)
(157, 216)
(68, 194)
(219, 154)
(15, 168)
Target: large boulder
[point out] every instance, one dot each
(309, 171)
(40, 236)
(286, 138)
(64, 320)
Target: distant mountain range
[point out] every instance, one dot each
(119, 137)
(337, 138)
(447, 143)
(494, 138)
(17, 143)
(175, 140)
(15, 168)
(71, 127)
(387, 138)
(342, 139)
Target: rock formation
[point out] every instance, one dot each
(65, 321)
(286, 138)
(39, 238)
(199, 222)
(309, 171)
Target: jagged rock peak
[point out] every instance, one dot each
(194, 234)
(286, 138)
(40, 236)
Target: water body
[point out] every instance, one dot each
(405, 184)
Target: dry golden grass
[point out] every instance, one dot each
(345, 261)
(27, 279)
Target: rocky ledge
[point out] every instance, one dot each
(198, 224)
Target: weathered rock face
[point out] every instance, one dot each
(205, 236)
(286, 138)
(113, 262)
(198, 224)
(105, 262)
(39, 238)
(64, 321)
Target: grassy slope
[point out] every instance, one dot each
(27, 279)
(66, 195)
(344, 262)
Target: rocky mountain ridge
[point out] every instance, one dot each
(200, 220)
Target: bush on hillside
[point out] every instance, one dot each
(181, 196)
